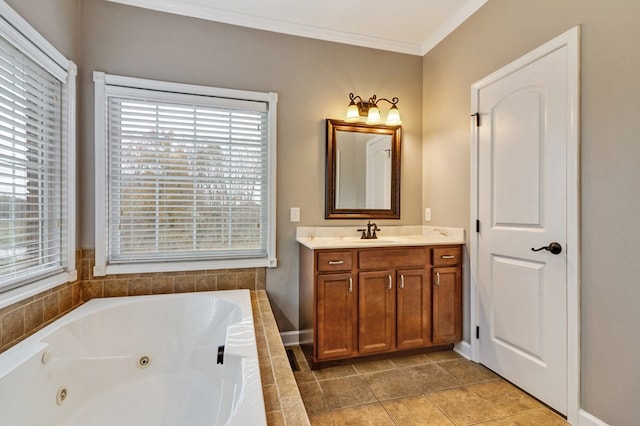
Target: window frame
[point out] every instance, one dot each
(26, 39)
(107, 84)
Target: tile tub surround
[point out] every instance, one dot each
(437, 388)
(282, 399)
(24, 318)
(333, 237)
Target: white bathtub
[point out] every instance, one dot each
(143, 360)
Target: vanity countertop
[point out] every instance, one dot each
(331, 237)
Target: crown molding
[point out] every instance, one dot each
(450, 25)
(243, 20)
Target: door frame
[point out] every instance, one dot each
(570, 39)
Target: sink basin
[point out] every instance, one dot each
(380, 240)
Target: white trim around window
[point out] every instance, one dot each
(33, 47)
(124, 106)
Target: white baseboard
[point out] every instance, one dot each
(290, 338)
(463, 348)
(586, 419)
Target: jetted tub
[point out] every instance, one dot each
(141, 360)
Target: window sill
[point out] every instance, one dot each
(21, 293)
(153, 267)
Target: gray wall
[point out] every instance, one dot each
(312, 79)
(56, 20)
(500, 32)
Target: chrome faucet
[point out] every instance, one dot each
(370, 231)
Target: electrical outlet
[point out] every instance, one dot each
(295, 214)
(427, 214)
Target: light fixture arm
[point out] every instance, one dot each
(393, 101)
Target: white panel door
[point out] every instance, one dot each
(522, 293)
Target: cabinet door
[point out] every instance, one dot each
(336, 316)
(447, 305)
(376, 311)
(414, 308)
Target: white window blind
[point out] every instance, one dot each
(32, 163)
(187, 177)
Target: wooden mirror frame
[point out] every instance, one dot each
(331, 210)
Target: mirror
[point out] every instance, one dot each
(363, 171)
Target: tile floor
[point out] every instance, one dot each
(440, 388)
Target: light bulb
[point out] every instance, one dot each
(393, 118)
(374, 115)
(352, 113)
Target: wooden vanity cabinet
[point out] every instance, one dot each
(447, 295)
(393, 299)
(336, 316)
(376, 312)
(357, 302)
(413, 319)
(336, 305)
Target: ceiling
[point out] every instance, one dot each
(405, 26)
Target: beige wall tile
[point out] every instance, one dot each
(15, 306)
(65, 298)
(51, 303)
(33, 315)
(164, 284)
(227, 281)
(12, 325)
(206, 282)
(116, 288)
(139, 286)
(247, 280)
(92, 289)
(76, 294)
(261, 278)
(184, 284)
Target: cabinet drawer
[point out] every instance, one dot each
(447, 256)
(393, 258)
(335, 261)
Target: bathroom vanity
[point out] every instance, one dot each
(359, 297)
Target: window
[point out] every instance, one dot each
(37, 161)
(186, 176)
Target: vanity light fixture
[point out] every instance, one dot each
(360, 108)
